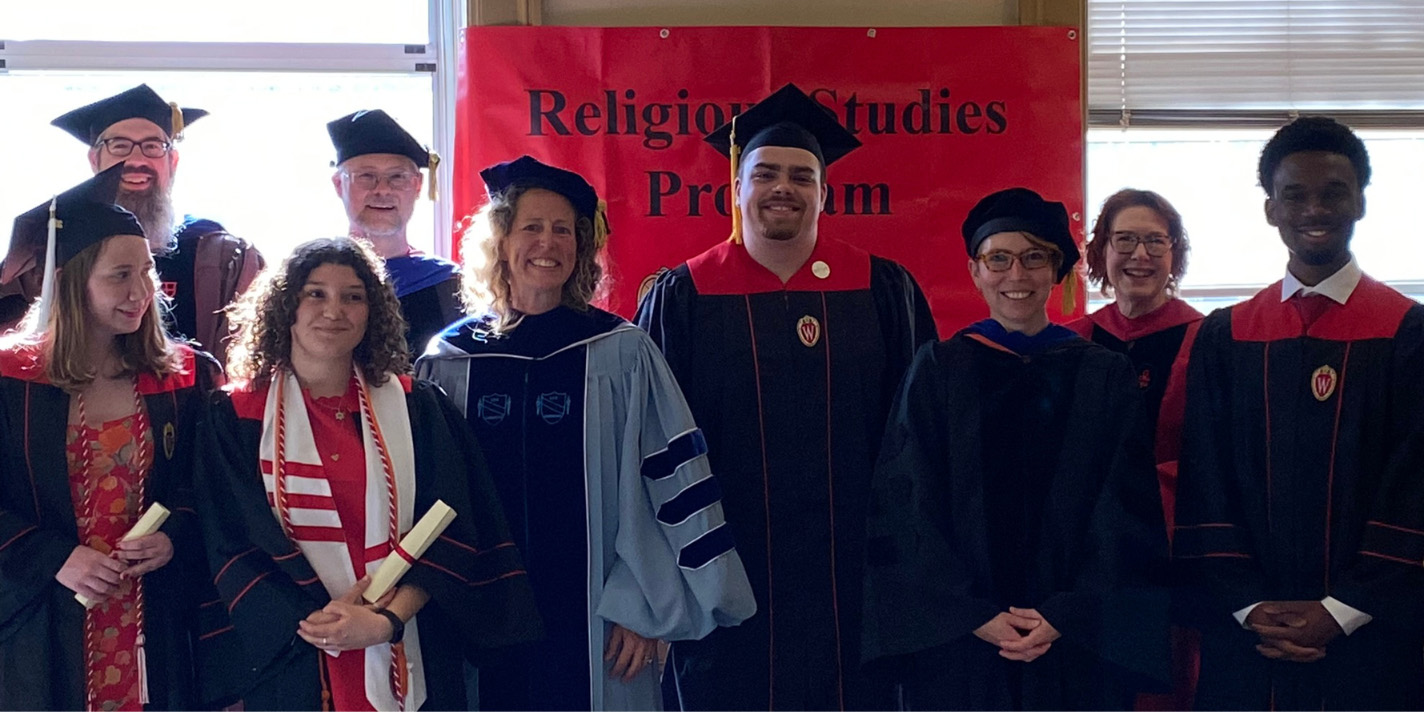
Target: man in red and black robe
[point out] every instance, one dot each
(789, 348)
(1300, 529)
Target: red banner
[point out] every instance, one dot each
(946, 116)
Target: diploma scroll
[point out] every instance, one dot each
(411, 547)
(147, 524)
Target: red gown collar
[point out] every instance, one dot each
(1173, 313)
(833, 266)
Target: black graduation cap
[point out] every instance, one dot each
(374, 131)
(83, 216)
(526, 170)
(86, 214)
(1020, 209)
(87, 122)
(787, 118)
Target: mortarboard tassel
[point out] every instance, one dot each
(1070, 293)
(736, 154)
(600, 225)
(177, 132)
(47, 290)
(434, 192)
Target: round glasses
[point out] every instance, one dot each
(1125, 243)
(1003, 260)
(122, 147)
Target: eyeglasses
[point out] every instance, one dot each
(1003, 260)
(121, 147)
(370, 181)
(1157, 244)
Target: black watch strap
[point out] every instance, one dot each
(397, 626)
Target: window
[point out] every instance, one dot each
(345, 21)
(260, 163)
(1183, 95)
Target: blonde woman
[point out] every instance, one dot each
(593, 449)
(96, 408)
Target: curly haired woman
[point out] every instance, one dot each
(318, 461)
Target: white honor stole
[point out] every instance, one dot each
(329, 555)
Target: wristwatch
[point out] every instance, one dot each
(397, 626)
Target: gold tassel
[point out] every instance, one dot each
(434, 171)
(736, 152)
(600, 226)
(177, 132)
(1070, 293)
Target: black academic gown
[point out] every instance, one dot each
(1301, 479)
(791, 384)
(479, 597)
(1153, 341)
(429, 292)
(41, 625)
(1012, 480)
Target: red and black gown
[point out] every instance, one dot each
(1301, 478)
(42, 627)
(479, 597)
(791, 384)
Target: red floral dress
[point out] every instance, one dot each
(107, 467)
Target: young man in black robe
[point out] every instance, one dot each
(1299, 516)
(378, 180)
(201, 267)
(1016, 554)
(788, 346)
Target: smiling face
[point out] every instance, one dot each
(1017, 296)
(142, 174)
(1138, 277)
(331, 315)
(120, 289)
(146, 186)
(379, 191)
(1316, 202)
(541, 250)
(780, 193)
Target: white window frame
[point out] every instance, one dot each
(438, 58)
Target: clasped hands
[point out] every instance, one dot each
(96, 575)
(1297, 631)
(348, 622)
(1021, 634)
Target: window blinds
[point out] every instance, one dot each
(1255, 62)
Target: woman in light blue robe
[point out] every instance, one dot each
(601, 469)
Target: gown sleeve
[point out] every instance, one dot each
(1118, 604)
(676, 574)
(1211, 540)
(666, 315)
(905, 318)
(263, 599)
(918, 589)
(30, 553)
(1386, 580)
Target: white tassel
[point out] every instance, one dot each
(47, 290)
(142, 670)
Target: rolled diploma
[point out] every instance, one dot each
(415, 542)
(149, 523)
